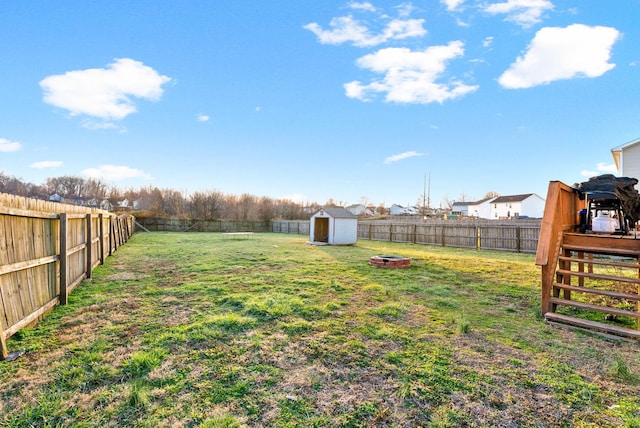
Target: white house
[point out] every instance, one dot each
(400, 210)
(357, 209)
(529, 205)
(627, 159)
(334, 226)
(478, 209)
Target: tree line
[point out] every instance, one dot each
(152, 201)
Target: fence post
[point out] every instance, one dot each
(415, 231)
(390, 233)
(111, 236)
(478, 242)
(63, 259)
(89, 244)
(101, 233)
(518, 244)
(442, 235)
(4, 351)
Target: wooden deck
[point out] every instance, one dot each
(589, 280)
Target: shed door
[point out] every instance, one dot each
(321, 229)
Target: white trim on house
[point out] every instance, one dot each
(627, 159)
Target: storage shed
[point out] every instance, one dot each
(333, 226)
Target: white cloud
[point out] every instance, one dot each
(346, 29)
(362, 6)
(410, 76)
(487, 42)
(562, 53)
(104, 93)
(46, 164)
(202, 118)
(9, 146)
(402, 156)
(452, 4)
(115, 172)
(601, 168)
(295, 197)
(523, 12)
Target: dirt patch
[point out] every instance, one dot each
(127, 276)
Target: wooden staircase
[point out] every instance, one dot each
(589, 281)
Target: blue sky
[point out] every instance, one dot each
(311, 100)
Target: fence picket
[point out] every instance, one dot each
(46, 249)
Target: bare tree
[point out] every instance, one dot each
(173, 202)
(447, 203)
(207, 205)
(95, 188)
(266, 209)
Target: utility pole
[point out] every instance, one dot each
(429, 193)
(426, 195)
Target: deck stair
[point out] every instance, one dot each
(589, 281)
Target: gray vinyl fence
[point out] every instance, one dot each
(513, 235)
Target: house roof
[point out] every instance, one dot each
(337, 212)
(511, 198)
(481, 201)
(615, 152)
(627, 144)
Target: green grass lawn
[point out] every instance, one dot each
(202, 330)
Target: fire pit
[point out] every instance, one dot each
(390, 262)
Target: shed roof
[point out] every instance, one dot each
(337, 212)
(512, 198)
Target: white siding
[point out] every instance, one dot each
(345, 231)
(630, 161)
(533, 206)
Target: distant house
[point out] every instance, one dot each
(460, 208)
(396, 209)
(106, 205)
(529, 205)
(357, 209)
(56, 198)
(400, 210)
(481, 208)
(627, 159)
(93, 203)
(333, 226)
(360, 210)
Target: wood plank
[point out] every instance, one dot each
(593, 325)
(4, 351)
(602, 244)
(89, 246)
(591, 261)
(14, 267)
(18, 212)
(590, 290)
(34, 316)
(64, 292)
(588, 306)
(598, 276)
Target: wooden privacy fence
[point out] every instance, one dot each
(298, 227)
(158, 224)
(517, 237)
(512, 235)
(46, 250)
